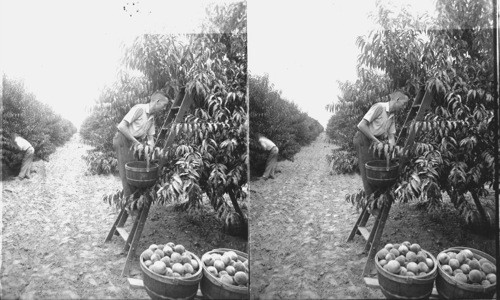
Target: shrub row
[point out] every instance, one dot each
(33, 120)
(279, 120)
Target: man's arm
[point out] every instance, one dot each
(123, 128)
(363, 127)
(151, 141)
(391, 134)
(151, 134)
(129, 118)
(392, 140)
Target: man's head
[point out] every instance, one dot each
(398, 101)
(158, 102)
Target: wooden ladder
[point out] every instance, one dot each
(175, 115)
(372, 237)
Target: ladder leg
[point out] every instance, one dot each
(370, 239)
(132, 232)
(123, 219)
(136, 236)
(365, 217)
(116, 224)
(360, 222)
(370, 263)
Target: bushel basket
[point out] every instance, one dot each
(160, 287)
(406, 287)
(448, 288)
(212, 288)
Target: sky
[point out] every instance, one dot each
(66, 51)
(307, 46)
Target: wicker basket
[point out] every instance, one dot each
(139, 175)
(449, 288)
(168, 288)
(406, 287)
(212, 288)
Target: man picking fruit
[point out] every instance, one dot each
(272, 159)
(138, 124)
(378, 124)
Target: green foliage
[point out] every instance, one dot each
(101, 162)
(452, 58)
(279, 120)
(208, 156)
(33, 120)
(341, 161)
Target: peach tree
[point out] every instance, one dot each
(452, 58)
(208, 156)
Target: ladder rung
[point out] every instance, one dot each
(123, 233)
(364, 232)
(372, 282)
(175, 108)
(135, 283)
(416, 105)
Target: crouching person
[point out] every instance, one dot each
(29, 152)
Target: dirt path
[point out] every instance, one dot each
(299, 225)
(300, 222)
(54, 226)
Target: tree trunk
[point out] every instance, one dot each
(236, 206)
(244, 229)
(480, 209)
(484, 223)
